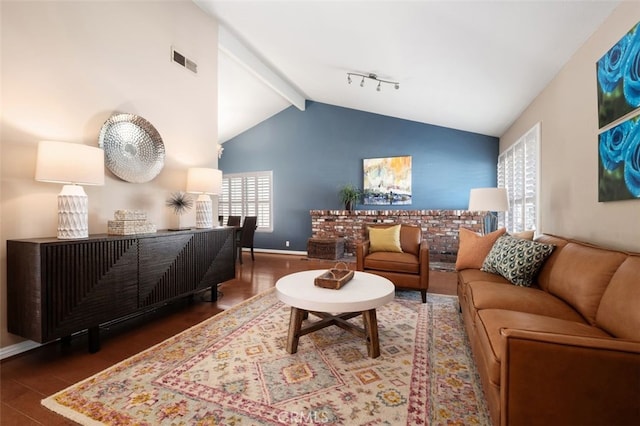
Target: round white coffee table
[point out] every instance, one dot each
(361, 295)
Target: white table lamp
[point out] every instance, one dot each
(71, 164)
(489, 200)
(204, 181)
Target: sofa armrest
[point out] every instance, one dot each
(550, 378)
(362, 250)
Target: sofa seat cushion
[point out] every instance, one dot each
(490, 322)
(488, 295)
(396, 262)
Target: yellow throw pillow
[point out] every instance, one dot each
(385, 239)
(473, 248)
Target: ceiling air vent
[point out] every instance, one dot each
(182, 60)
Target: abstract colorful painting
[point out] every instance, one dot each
(387, 180)
(619, 162)
(618, 73)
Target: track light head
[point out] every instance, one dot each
(373, 77)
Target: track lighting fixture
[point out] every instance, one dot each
(373, 77)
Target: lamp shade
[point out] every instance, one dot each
(488, 200)
(202, 180)
(69, 163)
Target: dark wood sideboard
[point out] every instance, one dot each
(59, 287)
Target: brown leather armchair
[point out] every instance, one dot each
(406, 270)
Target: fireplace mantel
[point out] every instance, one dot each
(439, 227)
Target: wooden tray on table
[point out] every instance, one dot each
(335, 277)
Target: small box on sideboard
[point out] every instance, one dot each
(130, 227)
(130, 215)
(130, 222)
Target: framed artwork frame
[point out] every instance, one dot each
(619, 161)
(387, 180)
(618, 77)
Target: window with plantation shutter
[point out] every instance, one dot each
(518, 172)
(248, 194)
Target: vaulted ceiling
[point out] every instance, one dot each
(470, 65)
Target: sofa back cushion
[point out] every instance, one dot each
(581, 274)
(473, 247)
(545, 272)
(619, 310)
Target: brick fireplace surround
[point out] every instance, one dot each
(439, 228)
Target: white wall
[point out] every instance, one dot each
(568, 112)
(66, 68)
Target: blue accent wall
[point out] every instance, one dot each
(312, 153)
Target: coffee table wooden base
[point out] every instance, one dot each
(369, 332)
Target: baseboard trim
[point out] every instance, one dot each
(274, 251)
(18, 348)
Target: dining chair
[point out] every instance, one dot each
(233, 221)
(245, 237)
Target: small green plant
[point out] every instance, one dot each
(180, 202)
(350, 195)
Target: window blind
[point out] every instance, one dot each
(518, 172)
(248, 194)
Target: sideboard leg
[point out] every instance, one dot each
(65, 341)
(215, 294)
(94, 339)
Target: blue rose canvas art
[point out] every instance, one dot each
(618, 75)
(619, 162)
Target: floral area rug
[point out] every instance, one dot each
(233, 369)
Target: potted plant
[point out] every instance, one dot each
(349, 196)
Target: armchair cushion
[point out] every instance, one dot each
(385, 239)
(397, 262)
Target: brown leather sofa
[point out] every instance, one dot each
(406, 270)
(565, 351)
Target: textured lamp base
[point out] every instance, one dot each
(204, 212)
(73, 213)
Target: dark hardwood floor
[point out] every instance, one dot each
(27, 378)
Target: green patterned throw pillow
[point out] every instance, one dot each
(516, 259)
